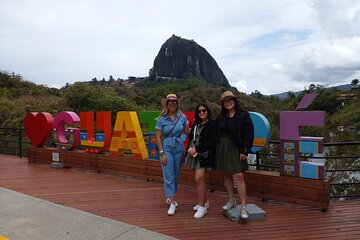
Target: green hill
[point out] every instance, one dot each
(349, 114)
(17, 96)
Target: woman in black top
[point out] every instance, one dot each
(235, 135)
(200, 155)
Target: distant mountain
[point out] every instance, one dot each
(345, 87)
(180, 58)
(285, 94)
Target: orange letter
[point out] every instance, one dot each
(101, 141)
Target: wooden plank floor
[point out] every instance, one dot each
(142, 203)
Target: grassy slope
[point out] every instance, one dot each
(350, 113)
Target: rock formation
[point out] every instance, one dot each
(180, 58)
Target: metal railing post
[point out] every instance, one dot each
(20, 144)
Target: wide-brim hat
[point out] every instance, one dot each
(227, 95)
(169, 97)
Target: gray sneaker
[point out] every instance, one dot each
(244, 214)
(229, 205)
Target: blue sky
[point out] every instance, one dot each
(281, 39)
(270, 46)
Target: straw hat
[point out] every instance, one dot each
(169, 97)
(227, 95)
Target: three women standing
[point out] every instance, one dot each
(231, 135)
(169, 128)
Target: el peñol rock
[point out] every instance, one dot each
(180, 58)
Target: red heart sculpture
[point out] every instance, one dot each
(38, 127)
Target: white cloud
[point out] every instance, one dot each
(271, 46)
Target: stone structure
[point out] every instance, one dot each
(180, 58)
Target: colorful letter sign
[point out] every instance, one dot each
(100, 140)
(261, 131)
(148, 121)
(38, 127)
(68, 138)
(295, 150)
(128, 136)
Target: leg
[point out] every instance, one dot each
(169, 176)
(230, 189)
(229, 185)
(241, 187)
(178, 159)
(169, 182)
(201, 186)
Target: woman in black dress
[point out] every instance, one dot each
(235, 135)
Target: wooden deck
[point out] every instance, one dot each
(142, 203)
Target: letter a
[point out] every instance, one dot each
(128, 136)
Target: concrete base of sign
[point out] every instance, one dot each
(256, 213)
(56, 165)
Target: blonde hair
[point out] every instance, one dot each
(166, 110)
(169, 97)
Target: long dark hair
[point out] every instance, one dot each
(238, 109)
(197, 118)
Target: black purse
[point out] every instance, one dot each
(203, 155)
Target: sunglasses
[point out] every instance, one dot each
(202, 111)
(229, 100)
(172, 103)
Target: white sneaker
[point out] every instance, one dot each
(229, 205)
(168, 201)
(200, 212)
(244, 214)
(172, 209)
(196, 207)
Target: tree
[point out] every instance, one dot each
(327, 101)
(291, 94)
(83, 97)
(94, 81)
(256, 94)
(354, 82)
(152, 74)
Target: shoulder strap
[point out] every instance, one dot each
(194, 134)
(171, 129)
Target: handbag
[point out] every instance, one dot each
(204, 155)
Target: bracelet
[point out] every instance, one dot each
(161, 152)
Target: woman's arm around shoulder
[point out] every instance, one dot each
(186, 124)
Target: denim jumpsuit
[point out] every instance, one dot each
(173, 147)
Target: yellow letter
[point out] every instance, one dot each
(128, 136)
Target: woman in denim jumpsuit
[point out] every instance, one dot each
(169, 128)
